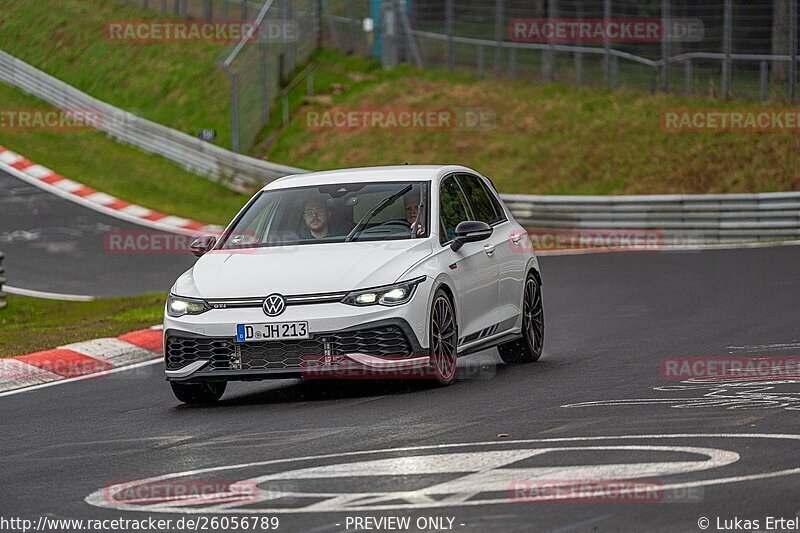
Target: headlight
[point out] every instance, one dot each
(178, 306)
(396, 294)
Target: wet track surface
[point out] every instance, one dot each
(610, 320)
(55, 245)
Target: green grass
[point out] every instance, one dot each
(547, 138)
(96, 160)
(174, 83)
(30, 324)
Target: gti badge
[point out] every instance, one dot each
(274, 304)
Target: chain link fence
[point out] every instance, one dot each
(746, 49)
(206, 10)
(284, 35)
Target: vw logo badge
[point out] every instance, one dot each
(274, 304)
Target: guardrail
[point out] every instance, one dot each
(678, 219)
(238, 171)
(2, 281)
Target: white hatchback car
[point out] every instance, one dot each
(385, 271)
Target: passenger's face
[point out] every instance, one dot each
(316, 215)
(412, 209)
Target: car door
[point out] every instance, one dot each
(510, 261)
(473, 268)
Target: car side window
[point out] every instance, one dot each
(452, 209)
(479, 198)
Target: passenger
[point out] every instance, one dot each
(411, 201)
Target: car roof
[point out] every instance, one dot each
(367, 174)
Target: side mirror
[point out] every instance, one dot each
(202, 245)
(470, 231)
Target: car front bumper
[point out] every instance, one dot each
(345, 341)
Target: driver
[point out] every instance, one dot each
(316, 216)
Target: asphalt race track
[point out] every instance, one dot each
(594, 407)
(45, 236)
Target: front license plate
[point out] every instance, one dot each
(271, 332)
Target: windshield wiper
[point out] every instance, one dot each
(375, 210)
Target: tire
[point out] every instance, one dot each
(199, 393)
(528, 349)
(443, 339)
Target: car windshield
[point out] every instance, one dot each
(332, 213)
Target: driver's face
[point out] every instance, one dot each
(412, 209)
(315, 215)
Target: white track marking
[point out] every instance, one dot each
(174, 221)
(101, 198)
(100, 497)
(9, 158)
(15, 374)
(38, 171)
(111, 350)
(80, 378)
(68, 185)
(48, 295)
(136, 211)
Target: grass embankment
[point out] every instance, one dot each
(547, 139)
(30, 324)
(177, 84)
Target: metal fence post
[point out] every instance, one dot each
(352, 33)
(688, 82)
(549, 55)
(578, 55)
(498, 35)
(727, 45)
(391, 55)
(325, 10)
(208, 10)
(264, 49)
(665, 29)
(234, 77)
(793, 48)
(479, 60)
(763, 84)
(607, 45)
(244, 10)
(2, 280)
(289, 42)
(449, 30)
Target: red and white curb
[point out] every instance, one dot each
(44, 178)
(80, 360)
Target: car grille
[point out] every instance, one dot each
(225, 354)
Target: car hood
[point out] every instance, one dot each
(304, 269)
